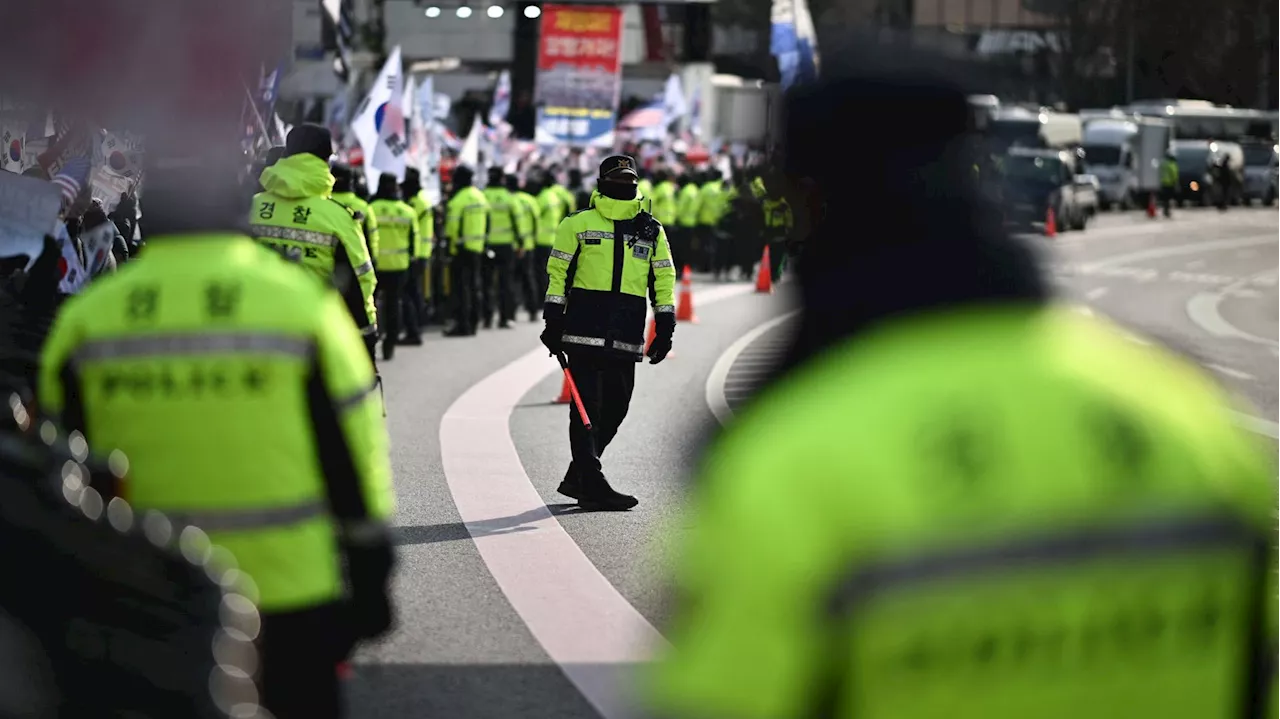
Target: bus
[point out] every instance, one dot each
(1201, 120)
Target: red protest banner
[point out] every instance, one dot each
(579, 65)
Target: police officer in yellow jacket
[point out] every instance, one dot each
(466, 222)
(499, 275)
(1009, 509)
(398, 227)
(686, 219)
(344, 193)
(552, 208)
(420, 275)
(241, 393)
(528, 276)
(296, 217)
(664, 199)
(613, 248)
(779, 221)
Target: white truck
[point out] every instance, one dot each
(1124, 153)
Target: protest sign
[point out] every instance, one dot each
(28, 211)
(579, 75)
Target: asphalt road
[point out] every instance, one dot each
(514, 603)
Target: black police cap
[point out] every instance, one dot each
(616, 167)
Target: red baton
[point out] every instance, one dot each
(573, 390)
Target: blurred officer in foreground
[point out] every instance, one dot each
(343, 192)
(420, 275)
(244, 399)
(613, 248)
(296, 217)
(499, 270)
(1014, 510)
(466, 219)
(398, 243)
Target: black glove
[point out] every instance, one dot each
(553, 315)
(369, 570)
(665, 328)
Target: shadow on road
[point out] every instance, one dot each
(495, 691)
(455, 531)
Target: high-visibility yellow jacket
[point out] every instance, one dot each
(687, 206)
(426, 224)
(566, 196)
(1036, 507)
(615, 255)
(664, 203)
(466, 217)
(645, 189)
(711, 203)
(297, 218)
(244, 399)
(532, 211)
(360, 209)
(502, 216)
(551, 210)
(398, 225)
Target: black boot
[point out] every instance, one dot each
(597, 495)
(571, 486)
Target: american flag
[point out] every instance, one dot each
(73, 177)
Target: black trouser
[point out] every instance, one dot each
(723, 259)
(539, 270)
(418, 286)
(681, 240)
(438, 297)
(299, 653)
(463, 290)
(605, 383)
(397, 306)
(499, 276)
(1166, 199)
(528, 286)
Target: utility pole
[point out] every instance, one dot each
(1130, 50)
(1266, 19)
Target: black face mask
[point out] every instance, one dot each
(617, 190)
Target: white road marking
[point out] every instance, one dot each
(1096, 293)
(1160, 253)
(716, 399)
(1257, 425)
(1202, 309)
(1085, 310)
(1196, 264)
(1229, 371)
(579, 618)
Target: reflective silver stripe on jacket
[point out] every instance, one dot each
(580, 340)
(239, 520)
(369, 330)
(557, 299)
(192, 344)
(363, 531)
(364, 269)
(395, 220)
(664, 308)
(293, 234)
(595, 235)
(354, 399)
(382, 252)
(663, 263)
(472, 238)
(1138, 543)
(500, 233)
(628, 347)
(562, 255)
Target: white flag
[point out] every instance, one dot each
(470, 154)
(501, 100)
(379, 124)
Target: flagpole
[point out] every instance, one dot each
(256, 115)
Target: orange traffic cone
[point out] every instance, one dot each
(566, 395)
(1151, 205)
(653, 335)
(1050, 224)
(684, 307)
(764, 278)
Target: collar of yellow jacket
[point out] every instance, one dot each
(299, 176)
(613, 209)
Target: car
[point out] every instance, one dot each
(1037, 180)
(1261, 162)
(1197, 159)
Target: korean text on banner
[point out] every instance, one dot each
(28, 211)
(579, 74)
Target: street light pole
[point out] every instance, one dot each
(1130, 51)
